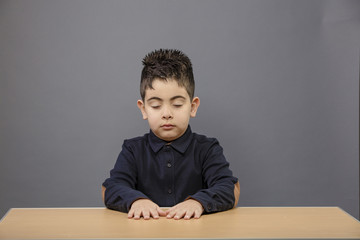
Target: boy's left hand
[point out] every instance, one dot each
(187, 209)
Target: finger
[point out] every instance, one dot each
(180, 214)
(161, 212)
(154, 213)
(171, 214)
(137, 214)
(169, 210)
(188, 215)
(146, 214)
(197, 214)
(131, 213)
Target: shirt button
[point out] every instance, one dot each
(169, 191)
(169, 165)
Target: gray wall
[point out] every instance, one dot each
(278, 83)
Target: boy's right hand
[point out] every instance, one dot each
(145, 208)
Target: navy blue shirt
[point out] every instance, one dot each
(192, 166)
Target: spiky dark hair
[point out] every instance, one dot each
(166, 64)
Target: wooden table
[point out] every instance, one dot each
(238, 223)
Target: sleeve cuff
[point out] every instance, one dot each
(204, 201)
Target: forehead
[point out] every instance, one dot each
(165, 90)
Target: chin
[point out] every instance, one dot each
(169, 138)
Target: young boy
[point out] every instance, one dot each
(170, 166)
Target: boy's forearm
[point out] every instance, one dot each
(120, 197)
(217, 198)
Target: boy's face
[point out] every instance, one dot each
(168, 109)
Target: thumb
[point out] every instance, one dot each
(160, 211)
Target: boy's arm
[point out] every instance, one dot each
(222, 192)
(192, 208)
(119, 191)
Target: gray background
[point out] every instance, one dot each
(278, 83)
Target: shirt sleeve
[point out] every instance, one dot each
(121, 186)
(219, 181)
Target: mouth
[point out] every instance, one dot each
(167, 126)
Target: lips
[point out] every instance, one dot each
(167, 126)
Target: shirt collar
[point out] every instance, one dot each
(180, 144)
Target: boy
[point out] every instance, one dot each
(170, 166)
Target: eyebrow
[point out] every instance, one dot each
(171, 99)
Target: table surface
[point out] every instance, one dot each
(238, 223)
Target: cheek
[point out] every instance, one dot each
(153, 117)
(152, 123)
(184, 116)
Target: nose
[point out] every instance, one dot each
(167, 114)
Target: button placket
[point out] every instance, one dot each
(169, 164)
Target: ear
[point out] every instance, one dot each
(195, 103)
(141, 106)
